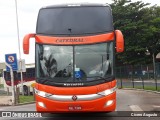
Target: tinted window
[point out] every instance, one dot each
(74, 20)
(68, 64)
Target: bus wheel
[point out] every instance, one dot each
(25, 90)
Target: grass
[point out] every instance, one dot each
(1, 86)
(26, 99)
(153, 88)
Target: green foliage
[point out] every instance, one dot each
(140, 25)
(26, 99)
(1, 86)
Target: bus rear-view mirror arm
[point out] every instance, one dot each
(26, 42)
(119, 41)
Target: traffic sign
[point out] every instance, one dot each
(12, 60)
(21, 65)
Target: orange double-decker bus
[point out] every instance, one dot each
(75, 58)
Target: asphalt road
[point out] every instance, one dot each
(127, 100)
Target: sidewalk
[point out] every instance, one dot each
(5, 100)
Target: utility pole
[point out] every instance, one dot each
(154, 70)
(19, 48)
(154, 66)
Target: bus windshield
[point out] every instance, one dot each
(74, 20)
(77, 63)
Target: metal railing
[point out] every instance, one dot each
(139, 76)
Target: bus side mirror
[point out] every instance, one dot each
(26, 43)
(119, 41)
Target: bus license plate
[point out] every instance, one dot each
(72, 108)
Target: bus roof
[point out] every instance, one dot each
(76, 5)
(74, 19)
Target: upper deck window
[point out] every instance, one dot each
(74, 20)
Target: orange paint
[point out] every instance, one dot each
(88, 104)
(97, 105)
(75, 90)
(119, 41)
(26, 43)
(75, 40)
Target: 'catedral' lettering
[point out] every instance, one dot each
(71, 40)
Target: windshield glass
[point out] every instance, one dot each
(74, 63)
(74, 20)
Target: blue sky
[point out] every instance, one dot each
(27, 15)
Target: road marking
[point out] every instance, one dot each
(135, 108)
(137, 81)
(156, 106)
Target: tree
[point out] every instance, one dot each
(153, 38)
(139, 23)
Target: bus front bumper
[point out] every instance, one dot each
(103, 104)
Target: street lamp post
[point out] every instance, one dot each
(20, 60)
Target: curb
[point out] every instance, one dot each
(25, 103)
(6, 105)
(141, 90)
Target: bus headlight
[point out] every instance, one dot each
(108, 91)
(42, 104)
(108, 103)
(42, 93)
